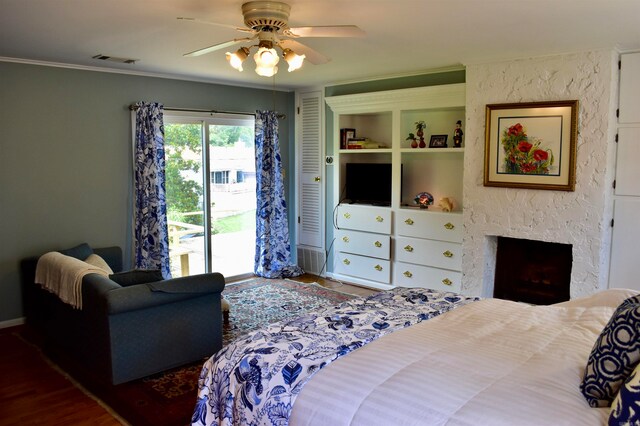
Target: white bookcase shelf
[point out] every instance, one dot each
(387, 118)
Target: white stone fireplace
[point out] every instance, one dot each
(580, 218)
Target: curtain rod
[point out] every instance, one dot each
(134, 107)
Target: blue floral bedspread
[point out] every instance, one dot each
(256, 379)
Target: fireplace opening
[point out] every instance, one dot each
(535, 272)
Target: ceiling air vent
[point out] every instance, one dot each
(115, 59)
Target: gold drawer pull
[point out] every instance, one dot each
(316, 179)
(378, 268)
(409, 221)
(407, 274)
(346, 262)
(377, 244)
(379, 219)
(447, 281)
(408, 248)
(449, 225)
(347, 215)
(345, 239)
(447, 254)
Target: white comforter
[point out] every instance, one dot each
(492, 362)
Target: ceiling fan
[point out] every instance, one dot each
(267, 22)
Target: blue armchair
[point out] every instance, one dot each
(124, 333)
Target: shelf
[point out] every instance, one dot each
(365, 151)
(431, 209)
(432, 150)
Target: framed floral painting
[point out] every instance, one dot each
(531, 145)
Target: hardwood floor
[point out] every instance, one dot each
(34, 392)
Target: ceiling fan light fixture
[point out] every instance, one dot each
(268, 22)
(266, 57)
(293, 59)
(266, 71)
(238, 57)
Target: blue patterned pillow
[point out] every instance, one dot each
(614, 355)
(625, 409)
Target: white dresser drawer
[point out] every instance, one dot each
(408, 275)
(434, 225)
(364, 243)
(440, 254)
(368, 268)
(364, 218)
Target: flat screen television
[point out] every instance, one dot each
(368, 183)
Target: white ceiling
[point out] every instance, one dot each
(402, 36)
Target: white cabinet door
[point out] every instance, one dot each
(440, 254)
(364, 243)
(434, 225)
(629, 88)
(627, 170)
(625, 256)
(368, 268)
(409, 275)
(310, 181)
(364, 218)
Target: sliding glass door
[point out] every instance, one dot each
(211, 194)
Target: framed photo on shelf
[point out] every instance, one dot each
(531, 145)
(438, 141)
(345, 135)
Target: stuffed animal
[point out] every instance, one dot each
(446, 204)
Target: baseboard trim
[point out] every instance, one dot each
(12, 323)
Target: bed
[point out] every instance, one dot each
(412, 357)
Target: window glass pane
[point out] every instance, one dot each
(233, 200)
(183, 157)
(231, 187)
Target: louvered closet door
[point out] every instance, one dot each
(310, 184)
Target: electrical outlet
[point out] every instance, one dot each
(328, 160)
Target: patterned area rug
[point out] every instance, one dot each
(255, 303)
(169, 398)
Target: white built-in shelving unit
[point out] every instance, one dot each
(401, 244)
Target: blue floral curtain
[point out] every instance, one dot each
(273, 250)
(151, 236)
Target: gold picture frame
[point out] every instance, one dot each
(531, 145)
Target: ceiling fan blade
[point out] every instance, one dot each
(200, 21)
(326, 31)
(313, 56)
(217, 46)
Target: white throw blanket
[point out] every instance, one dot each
(62, 275)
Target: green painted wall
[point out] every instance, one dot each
(430, 79)
(65, 156)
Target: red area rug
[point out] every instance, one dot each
(168, 398)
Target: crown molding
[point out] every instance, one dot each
(134, 73)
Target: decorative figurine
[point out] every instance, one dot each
(446, 204)
(423, 199)
(420, 126)
(412, 138)
(457, 135)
